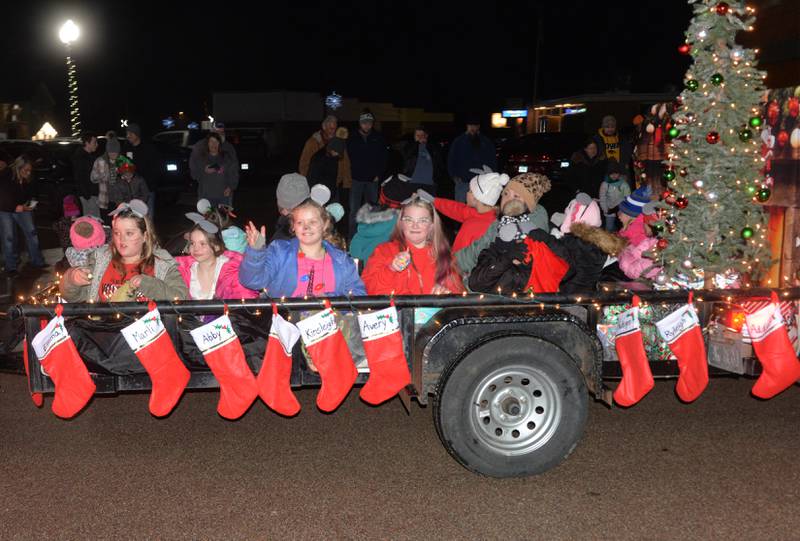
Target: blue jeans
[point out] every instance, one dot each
(8, 232)
(360, 193)
(461, 190)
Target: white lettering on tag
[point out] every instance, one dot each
(316, 328)
(677, 323)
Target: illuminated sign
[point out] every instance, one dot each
(515, 113)
(498, 121)
(574, 110)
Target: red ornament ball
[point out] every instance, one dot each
(712, 138)
(722, 8)
(662, 244)
(783, 138)
(669, 197)
(685, 48)
(681, 203)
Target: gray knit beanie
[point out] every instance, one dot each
(292, 190)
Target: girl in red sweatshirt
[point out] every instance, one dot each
(416, 260)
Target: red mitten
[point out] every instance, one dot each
(780, 368)
(149, 340)
(61, 361)
(223, 353)
(637, 379)
(681, 331)
(328, 350)
(383, 344)
(274, 384)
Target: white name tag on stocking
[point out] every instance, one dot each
(214, 335)
(286, 333)
(375, 325)
(763, 322)
(317, 327)
(50, 337)
(677, 323)
(144, 331)
(627, 323)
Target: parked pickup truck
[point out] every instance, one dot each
(509, 379)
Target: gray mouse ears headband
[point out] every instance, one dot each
(204, 224)
(136, 207)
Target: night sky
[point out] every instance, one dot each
(144, 61)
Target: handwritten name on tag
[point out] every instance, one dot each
(50, 337)
(144, 331)
(763, 322)
(214, 335)
(318, 327)
(378, 324)
(677, 323)
(628, 322)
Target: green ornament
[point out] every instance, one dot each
(669, 175)
(692, 85)
(673, 132)
(657, 228)
(717, 79)
(751, 190)
(763, 195)
(745, 135)
(747, 233)
(755, 121)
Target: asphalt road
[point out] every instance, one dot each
(722, 468)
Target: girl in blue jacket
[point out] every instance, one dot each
(309, 265)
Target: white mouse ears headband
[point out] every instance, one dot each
(137, 207)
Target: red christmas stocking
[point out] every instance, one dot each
(274, 378)
(149, 340)
(60, 359)
(637, 380)
(388, 368)
(328, 350)
(780, 368)
(681, 331)
(223, 353)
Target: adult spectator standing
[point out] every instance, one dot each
(104, 174)
(82, 163)
(147, 161)
(218, 176)
(422, 162)
(368, 157)
(470, 150)
(197, 159)
(586, 170)
(16, 209)
(319, 140)
(607, 140)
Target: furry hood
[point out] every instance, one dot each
(369, 214)
(609, 243)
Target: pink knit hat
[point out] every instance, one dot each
(86, 232)
(582, 209)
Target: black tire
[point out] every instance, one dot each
(515, 406)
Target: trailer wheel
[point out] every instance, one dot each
(514, 406)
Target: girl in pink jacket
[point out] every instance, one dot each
(211, 272)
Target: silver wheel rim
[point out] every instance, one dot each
(515, 410)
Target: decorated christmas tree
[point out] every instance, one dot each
(712, 219)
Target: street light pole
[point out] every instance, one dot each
(70, 32)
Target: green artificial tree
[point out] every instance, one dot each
(711, 219)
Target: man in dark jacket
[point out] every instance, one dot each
(470, 150)
(147, 161)
(422, 162)
(82, 163)
(368, 155)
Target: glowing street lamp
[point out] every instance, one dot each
(69, 33)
